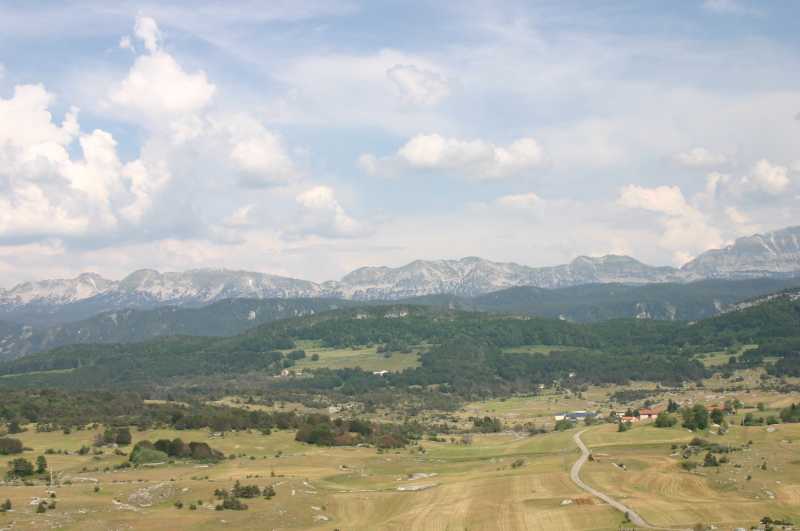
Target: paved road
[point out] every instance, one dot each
(575, 475)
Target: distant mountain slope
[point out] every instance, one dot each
(224, 318)
(88, 295)
(598, 302)
(466, 354)
(772, 255)
(587, 303)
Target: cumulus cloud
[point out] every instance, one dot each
(147, 31)
(765, 182)
(322, 215)
(45, 192)
(686, 230)
(476, 159)
(769, 178)
(699, 157)
(259, 154)
(156, 85)
(418, 86)
(665, 199)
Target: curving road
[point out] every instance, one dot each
(575, 475)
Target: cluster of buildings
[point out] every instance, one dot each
(575, 416)
(643, 414)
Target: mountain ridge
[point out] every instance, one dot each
(771, 255)
(586, 303)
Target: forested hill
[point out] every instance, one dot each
(586, 303)
(225, 318)
(598, 302)
(465, 351)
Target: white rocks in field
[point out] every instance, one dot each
(421, 475)
(566, 502)
(123, 506)
(147, 496)
(416, 488)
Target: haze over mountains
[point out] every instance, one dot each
(771, 255)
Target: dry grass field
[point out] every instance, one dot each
(445, 486)
(439, 485)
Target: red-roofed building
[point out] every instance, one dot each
(648, 414)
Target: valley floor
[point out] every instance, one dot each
(503, 481)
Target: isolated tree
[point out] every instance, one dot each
(123, 436)
(41, 465)
(695, 418)
(665, 420)
(20, 467)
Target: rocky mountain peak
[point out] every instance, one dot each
(775, 254)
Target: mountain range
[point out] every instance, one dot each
(586, 303)
(771, 255)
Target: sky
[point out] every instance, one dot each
(310, 138)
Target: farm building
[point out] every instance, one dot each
(648, 414)
(574, 415)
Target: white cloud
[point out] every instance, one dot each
(362, 90)
(147, 31)
(145, 182)
(258, 153)
(2, 71)
(686, 230)
(322, 215)
(699, 157)
(736, 216)
(664, 199)
(417, 85)
(471, 158)
(157, 86)
(521, 201)
(769, 178)
(44, 192)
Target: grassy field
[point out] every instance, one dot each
(445, 486)
(653, 484)
(368, 358)
(507, 481)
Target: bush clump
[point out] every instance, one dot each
(9, 446)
